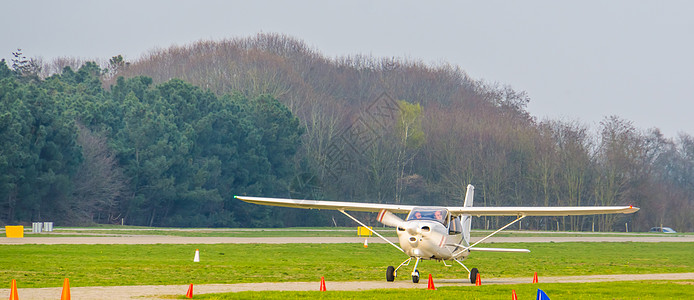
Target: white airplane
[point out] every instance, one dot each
(438, 233)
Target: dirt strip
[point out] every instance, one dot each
(169, 291)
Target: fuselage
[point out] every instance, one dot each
(431, 236)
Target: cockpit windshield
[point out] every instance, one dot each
(434, 214)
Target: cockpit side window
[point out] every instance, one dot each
(456, 227)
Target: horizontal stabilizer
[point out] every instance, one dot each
(499, 250)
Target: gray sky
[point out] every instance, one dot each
(577, 60)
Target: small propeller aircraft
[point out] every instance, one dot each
(438, 233)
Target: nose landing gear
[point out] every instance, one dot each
(415, 273)
(415, 276)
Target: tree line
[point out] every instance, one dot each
(380, 130)
(169, 154)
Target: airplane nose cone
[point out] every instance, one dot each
(413, 230)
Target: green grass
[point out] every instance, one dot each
(109, 265)
(599, 290)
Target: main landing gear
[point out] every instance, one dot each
(473, 275)
(392, 272)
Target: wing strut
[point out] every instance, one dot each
(374, 232)
(486, 237)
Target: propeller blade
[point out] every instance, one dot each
(389, 219)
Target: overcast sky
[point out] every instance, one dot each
(577, 60)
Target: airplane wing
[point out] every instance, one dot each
(334, 205)
(542, 211)
(455, 210)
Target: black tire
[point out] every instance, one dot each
(473, 275)
(390, 274)
(415, 277)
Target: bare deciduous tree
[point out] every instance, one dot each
(99, 183)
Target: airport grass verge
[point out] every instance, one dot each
(114, 265)
(594, 290)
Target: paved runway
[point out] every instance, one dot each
(160, 239)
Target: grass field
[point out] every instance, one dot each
(110, 265)
(115, 265)
(601, 290)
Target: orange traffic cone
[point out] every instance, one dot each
(322, 284)
(13, 290)
(479, 280)
(197, 256)
(189, 294)
(66, 290)
(535, 278)
(431, 286)
(366, 244)
(513, 295)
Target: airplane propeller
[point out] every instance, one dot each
(389, 219)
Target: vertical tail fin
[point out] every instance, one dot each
(467, 219)
(469, 195)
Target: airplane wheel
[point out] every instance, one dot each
(415, 277)
(473, 275)
(390, 274)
